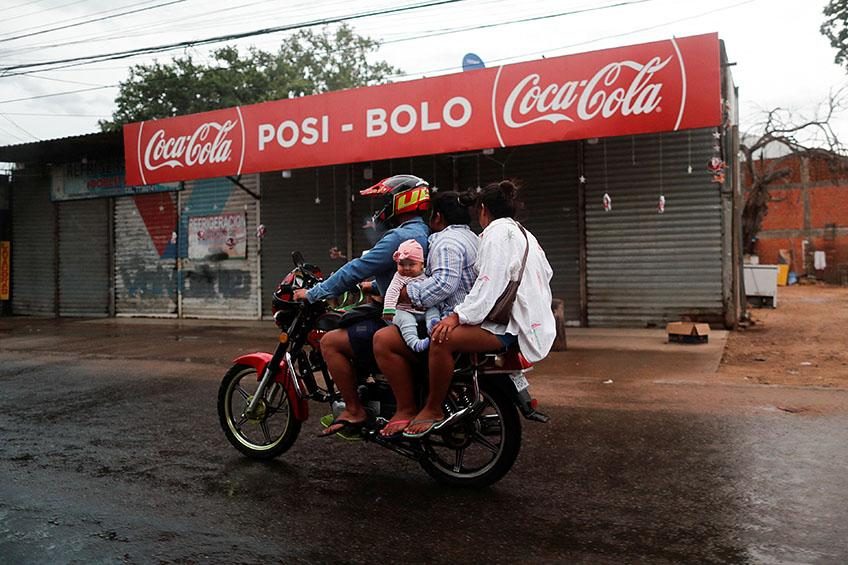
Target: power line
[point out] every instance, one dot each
(59, 93)
(580, 43)
(518, 21)
(6, 20)
(91, 21)
(229, 37)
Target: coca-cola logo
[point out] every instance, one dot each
(209, 144)
(610, 91)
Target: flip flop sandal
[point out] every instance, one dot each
(398, 425)
(426, 431)
(346, 427)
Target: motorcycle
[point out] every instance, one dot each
(263, 398)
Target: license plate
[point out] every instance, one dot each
(520, 381)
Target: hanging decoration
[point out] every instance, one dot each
(607, 202)
(661, 202)
(689, 151)
(317, 188)
(260, 231)
(716, 165)
(607, 199)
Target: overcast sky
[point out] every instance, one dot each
(781, 58)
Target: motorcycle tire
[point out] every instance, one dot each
(255, 437)
(499, 420)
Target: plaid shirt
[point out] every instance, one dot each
(451, 269)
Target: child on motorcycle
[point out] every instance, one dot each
(410, 267)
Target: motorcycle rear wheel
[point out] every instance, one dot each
(272, 430)
(480, 451)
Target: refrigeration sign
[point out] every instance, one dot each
(662, 86)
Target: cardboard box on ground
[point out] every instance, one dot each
(688, 332)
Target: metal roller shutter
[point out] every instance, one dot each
(227, 288)
(84, 257)
(33, 247)
(646, 268)
(548, 174)
(294, 222)
(145, 255)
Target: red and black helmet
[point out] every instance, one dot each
(406, 194)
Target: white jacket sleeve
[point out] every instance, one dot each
(498, 261)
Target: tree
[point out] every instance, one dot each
(306, 63)
(789, 137)
(835, 28)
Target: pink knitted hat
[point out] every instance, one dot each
(409, 249)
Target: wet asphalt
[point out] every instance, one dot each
(111, 452)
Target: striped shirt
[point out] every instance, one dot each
(451, 269)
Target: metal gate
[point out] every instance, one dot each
(548, 177)
(84, 257)
(33, 247)
(220, 285)
(146, 255)
(646, 268)
(306, 212)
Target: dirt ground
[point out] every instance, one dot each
(802, 342)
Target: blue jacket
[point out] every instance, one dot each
(377, 263)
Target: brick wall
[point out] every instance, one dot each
(808, 212)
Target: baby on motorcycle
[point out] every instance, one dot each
(410, 264)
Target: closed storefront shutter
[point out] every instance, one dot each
(33, 247)
(224, 282)
(146, 255)
(84, 277)
(294, 222)
(548, 176)
(646, 268)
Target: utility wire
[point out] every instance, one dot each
(218, 39)
(518, 21)
(7, 20)
(100, 19)
(59, 93)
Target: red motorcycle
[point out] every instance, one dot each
(263, 398)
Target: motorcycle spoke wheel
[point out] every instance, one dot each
(479, 451)
(271, 430)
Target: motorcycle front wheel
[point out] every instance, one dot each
(271, 430)
(479, 451)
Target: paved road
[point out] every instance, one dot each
(110, 452)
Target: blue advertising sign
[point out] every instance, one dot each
(77, 181)
(472, 61)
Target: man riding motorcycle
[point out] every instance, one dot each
(407, 199)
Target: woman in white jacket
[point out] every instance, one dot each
(467, 330)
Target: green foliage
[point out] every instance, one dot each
(835, 28)
(306, 63)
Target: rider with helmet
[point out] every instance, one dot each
(407, 198)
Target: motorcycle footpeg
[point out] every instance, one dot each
(537, 416)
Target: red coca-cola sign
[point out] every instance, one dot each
(662, 86)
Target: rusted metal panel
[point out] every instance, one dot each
(645, 268)
(146, 255)
(84, 276)
(218, 285)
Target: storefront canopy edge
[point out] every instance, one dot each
(653, 87)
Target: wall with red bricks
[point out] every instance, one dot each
(808, 212)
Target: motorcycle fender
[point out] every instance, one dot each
(259, 360)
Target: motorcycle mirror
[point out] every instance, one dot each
(297, 257)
